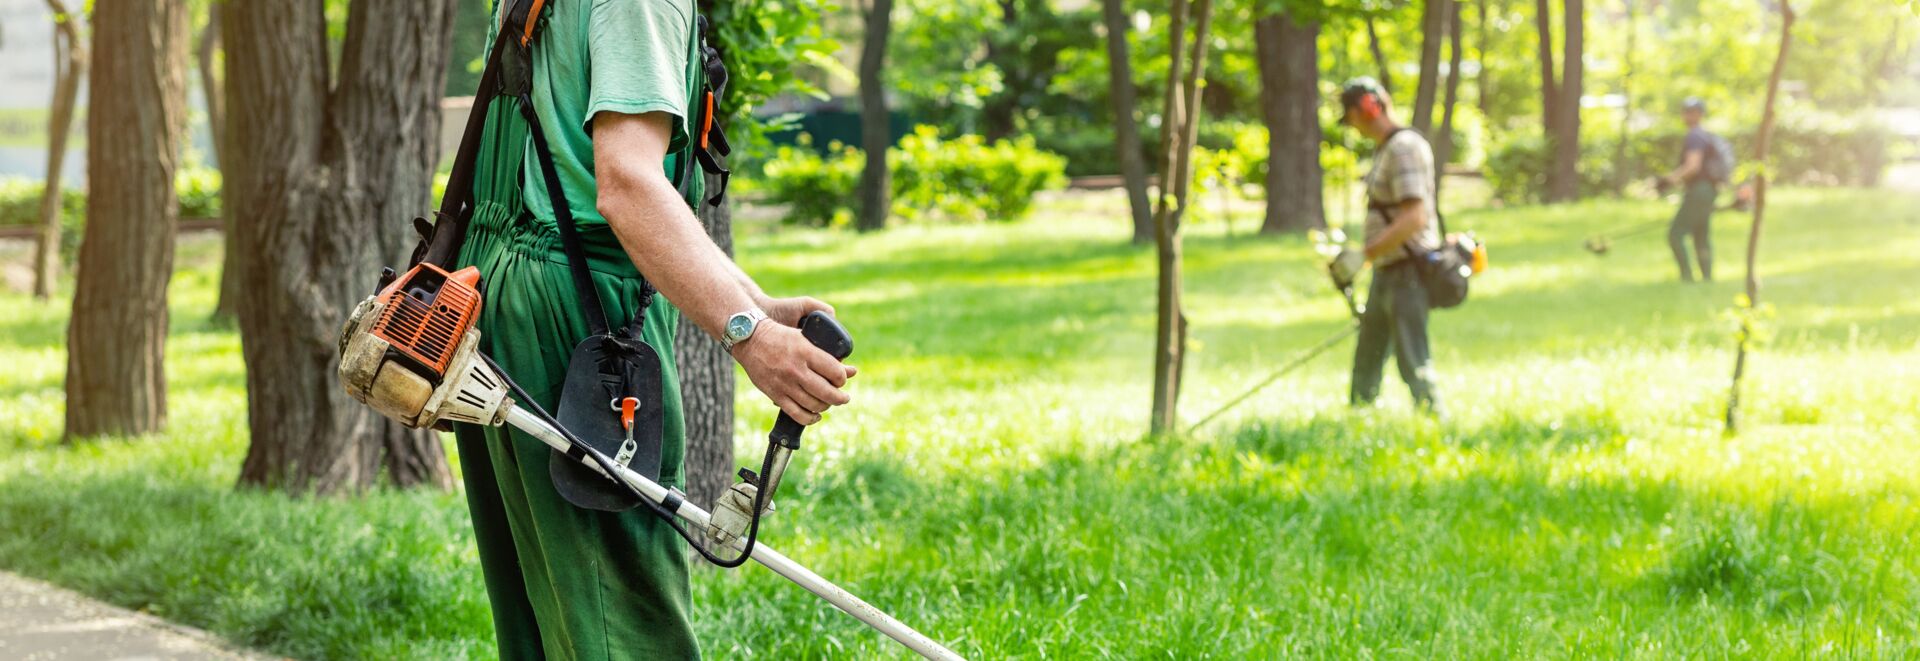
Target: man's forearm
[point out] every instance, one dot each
(668, 244)
(1409, 218)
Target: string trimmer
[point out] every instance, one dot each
(412, 353)
(1599, 244)
(1327, 245)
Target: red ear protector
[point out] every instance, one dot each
(1369, 106)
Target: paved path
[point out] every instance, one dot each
(40, 622)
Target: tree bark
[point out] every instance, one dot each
(1563, 181)
(1289, 57)
(1434, 17)
(1133, 164)
(875, 133)
(1379, 56)
(1181, 132)
(1763, 144)
(69, 67)
(707, 381)
(217, 126)
(1443, 142)
(116, 341)
(323, 179)
(1549, 89)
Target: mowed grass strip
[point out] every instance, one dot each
(992, 485)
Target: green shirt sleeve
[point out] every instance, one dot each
(638, 54)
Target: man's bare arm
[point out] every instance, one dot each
(1409, 219)
(664, 239)
(1688, 167)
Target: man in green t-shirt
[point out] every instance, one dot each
(613, 84)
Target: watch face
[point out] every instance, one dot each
(739, 327)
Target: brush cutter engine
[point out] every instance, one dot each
(411, 352)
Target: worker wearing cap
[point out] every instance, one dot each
(1401, 223)
(1697, 195)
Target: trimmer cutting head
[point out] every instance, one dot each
(411, 352)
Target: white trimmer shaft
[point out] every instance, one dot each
(677, 503)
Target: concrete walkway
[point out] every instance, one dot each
(40, 622)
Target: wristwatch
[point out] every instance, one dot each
(740, 326)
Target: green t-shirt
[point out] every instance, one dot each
(594, 56)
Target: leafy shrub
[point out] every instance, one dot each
(20, 203)
(819, 191)
(959, 179)
(199, 191)
(965, 178)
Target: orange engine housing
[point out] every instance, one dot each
(427, 312)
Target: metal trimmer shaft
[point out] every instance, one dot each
(673, 502)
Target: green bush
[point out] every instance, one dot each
(819, 191)
(958, 179)
(967, 179)
(199, 191)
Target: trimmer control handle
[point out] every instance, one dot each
(824, 332)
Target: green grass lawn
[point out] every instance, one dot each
(992, 484)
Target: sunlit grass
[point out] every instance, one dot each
(992, 484)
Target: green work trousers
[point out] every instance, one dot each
(1395, 321)
(566, 582)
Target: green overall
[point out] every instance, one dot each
(566, 582)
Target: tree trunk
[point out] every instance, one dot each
(1763, 144)
(217, 126)
(997, 111)
(323, 180)
(1563, 181)
(1133, 165)
(1379, 57)
(875, 133)
(707, 382)
(1433, 32)
(1182, 129)
(1549, 93)
(116, 341)
(1290, 100)
(69, 67)
(1443, 142)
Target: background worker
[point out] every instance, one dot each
(1400, 223)
(613, 84)
(1697, 195)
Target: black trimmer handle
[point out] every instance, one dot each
(823, 331)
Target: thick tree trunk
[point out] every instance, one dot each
(1289, 58)
(1434, 15)
(217, 125)
(1379, 56)
(321, 186)
(1563, 181)
(707, 382)
(1182, 130)
(69, 67)
(1763, 144)
(875, 133)
(1133, 165)
(116, 341)
(1443, 142)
